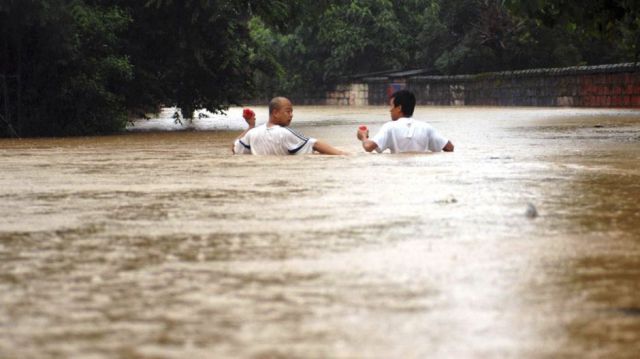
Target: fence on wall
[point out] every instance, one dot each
(616, 86)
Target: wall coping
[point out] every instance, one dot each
(555, 71)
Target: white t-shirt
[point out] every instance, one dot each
(408, 135)
(274, 140)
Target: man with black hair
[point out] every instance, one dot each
(403, 133)
(276, 138)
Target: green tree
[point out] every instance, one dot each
(194, 54)
(62, 68)
(362, 36)
(331, 39)
(469, 36)
(599, 31)
(292, 58)
(74, 67)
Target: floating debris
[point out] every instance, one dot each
(630, 311)
(447, 200)
(531, 212)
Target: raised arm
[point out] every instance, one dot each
(367, 144)
(250, 118)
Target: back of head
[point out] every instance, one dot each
(276, 103)
(406, 99)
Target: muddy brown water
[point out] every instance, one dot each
(162, 245)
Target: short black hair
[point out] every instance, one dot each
(406, 100)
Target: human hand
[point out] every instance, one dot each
(249, 116)
(363, 133)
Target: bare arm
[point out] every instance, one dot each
(448, 147)
(327, 149)
(251, 121)
(367, 144)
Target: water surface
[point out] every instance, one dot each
(163, 245)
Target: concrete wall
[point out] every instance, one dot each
(587, 86)
(354, 94)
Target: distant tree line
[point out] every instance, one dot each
(334, 39)
(80, 67)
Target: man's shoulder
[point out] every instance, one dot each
(287, 132)
(414, 122)
(296, 133)
(389, 125)
(400, 123)
(279, 133)
(424, 124)
(256, 130)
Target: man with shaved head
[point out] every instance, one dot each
(276, 138)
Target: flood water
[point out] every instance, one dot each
(162, 245)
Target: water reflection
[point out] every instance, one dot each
(161, 244)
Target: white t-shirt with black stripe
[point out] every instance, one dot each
(274, 140)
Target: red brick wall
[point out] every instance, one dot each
(612, 90)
